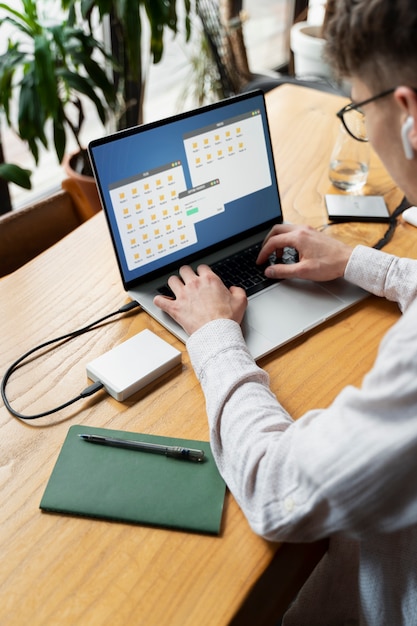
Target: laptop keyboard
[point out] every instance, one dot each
(240, 270)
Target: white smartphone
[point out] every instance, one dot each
(356, 208)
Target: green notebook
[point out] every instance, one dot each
(131, 486)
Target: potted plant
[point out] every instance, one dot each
(307, 43)
(127, 21)
(58, 60)
(46, 69)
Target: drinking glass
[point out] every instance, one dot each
(349, 162)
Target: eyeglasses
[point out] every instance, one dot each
(353, 118)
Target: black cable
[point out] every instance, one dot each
(392, 224)
(88, 391)
(92, 389)
(404, 204)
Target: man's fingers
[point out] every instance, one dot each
(164, 303)
(279, 229)
(276, 244)
(187, 273)
(239, 292)
(175, 283)
(280, 271)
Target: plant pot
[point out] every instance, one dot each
(82, 185)
(308, 46)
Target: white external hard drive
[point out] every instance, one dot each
(133, 364)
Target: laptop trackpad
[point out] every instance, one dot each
(288, 309)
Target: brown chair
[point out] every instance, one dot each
(27, 232)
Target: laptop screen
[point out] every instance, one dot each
(192, 183)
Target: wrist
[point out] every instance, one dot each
(344, 259)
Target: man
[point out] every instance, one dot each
(349, 471)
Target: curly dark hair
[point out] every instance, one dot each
(373, 39)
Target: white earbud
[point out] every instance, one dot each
(405, 129)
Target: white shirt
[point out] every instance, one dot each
(348, 472)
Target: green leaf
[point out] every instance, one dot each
(82, 85)
(60, 138)
(8, 62)
(99, 78)
(15, 174)
(158, 17)
(44, 74)
(22, 21)
(31, 115)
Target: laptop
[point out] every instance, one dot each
(196, 188)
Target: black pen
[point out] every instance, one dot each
(176, 452)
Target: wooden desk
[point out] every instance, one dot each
(62, 570)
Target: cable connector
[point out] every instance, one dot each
(129, 306)
(91, 389)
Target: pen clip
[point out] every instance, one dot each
(190, 454)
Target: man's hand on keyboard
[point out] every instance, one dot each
(320, 257)
(200, 298)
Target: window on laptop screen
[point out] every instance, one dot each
(176, 187)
